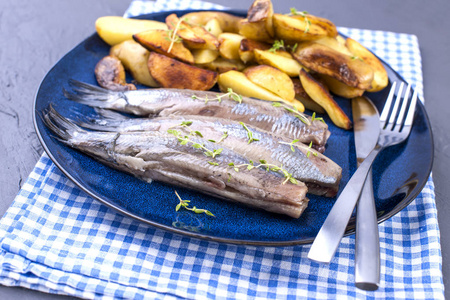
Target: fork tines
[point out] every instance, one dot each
(391, 116)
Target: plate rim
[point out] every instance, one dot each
(349, 230)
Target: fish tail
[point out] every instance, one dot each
(59, 125)
(89, 94)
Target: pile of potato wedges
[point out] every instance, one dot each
(296, 58)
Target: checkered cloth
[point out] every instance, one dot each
(54, 238)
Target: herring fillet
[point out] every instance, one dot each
(318, 172)
(165, 102)
(159, 156)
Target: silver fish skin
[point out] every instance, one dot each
(318, 172)
(154, 155)
(164, 102)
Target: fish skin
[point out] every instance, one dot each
(318, 172)
(155, 155)
(165, 102)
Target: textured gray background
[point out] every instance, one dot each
(34, 35)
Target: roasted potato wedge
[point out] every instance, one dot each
(194, 37)
(134, 58)
(273, 80)
(228, 22)
(212, 43)
(297, 30)
(325, 24)
(204, 56)
(258, 25)
(325, 60)
(229, 45)
(213, 27)
(316, 91)
(110, 74)
(333, 43)
(340, 88)
(380, 77)
(185, 32)
(247, 47)
(222, 65)
(288, 65)
(303, 97)
(114, 30)
(243, 86)
(159, 41)
(171, 73)
(256, 31)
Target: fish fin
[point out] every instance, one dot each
(91, 95)
(59, 125)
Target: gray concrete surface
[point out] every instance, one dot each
(34, 35)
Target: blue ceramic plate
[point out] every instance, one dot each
(400, 172)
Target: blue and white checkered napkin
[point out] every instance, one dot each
(56, 239)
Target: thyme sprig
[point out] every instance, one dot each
(185, 139)
(290, 144)
(230, 94)
(249, 134)
(304, 14)
(224, 136)
(185, 205)
(279, 45)
(268, 167)
(314, 118)
(310, 151)
(172, 36)
(295, 111)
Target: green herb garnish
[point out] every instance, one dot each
(268, 167)
(314, 118)
(249, 134)
(309, 152)
(185, 139)
(304, 14)
(172, 36)
(230, 94)
(295, 111)
(185, 205)
(291, 144)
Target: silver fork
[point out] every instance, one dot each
(394, 129)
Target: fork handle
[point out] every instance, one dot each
(367, 245)
(333, 229)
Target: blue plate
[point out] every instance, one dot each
(400, 172)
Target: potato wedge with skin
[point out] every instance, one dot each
(254, 30)
(222, 65)
(380, 77)
(325, 60)
(340, 88)
(185, 32)
(303, 97)
(273, 80)
(247, 47)
(213, 27)
(325, 24)
(288, 65)
(229, 45)
(204, 56)
(159, 41)
(240, 84)
(114, 30)
(171, 73)
(297, 30)
(228, 22)
(212, 42)
(110, 74)
(333, 43)
(316, 91)
(134, 58)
